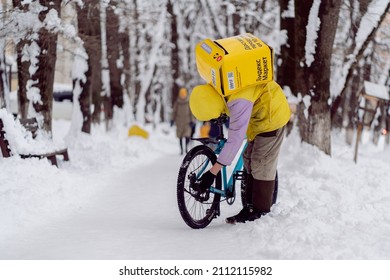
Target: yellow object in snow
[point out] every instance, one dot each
(135, 130)
(234, 63)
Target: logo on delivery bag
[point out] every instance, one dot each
(217, 57)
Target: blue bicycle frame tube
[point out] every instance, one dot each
(237, 167)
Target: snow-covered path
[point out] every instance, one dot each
(121, 215)
(134, 216)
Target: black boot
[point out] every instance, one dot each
(246, 199)
(246, 189)
(263, 193)
(262, 196)
(247, 214)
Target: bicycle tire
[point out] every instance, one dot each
(196, 212)
(243, 191)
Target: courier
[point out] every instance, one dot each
(233, 63)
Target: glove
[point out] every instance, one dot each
(206, 180)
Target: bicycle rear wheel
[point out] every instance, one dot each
(197, 208)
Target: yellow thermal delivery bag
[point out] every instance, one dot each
(233, 63)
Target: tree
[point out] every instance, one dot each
(23, 66)
(114, 58)
(47, 58)
(4, 88)
(286, 59)
(88, 17)
(150, 42)
(125, 43)
(36, 58)
(175, 63)
(315, 29)
(357, 54)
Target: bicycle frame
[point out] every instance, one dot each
(227, 185)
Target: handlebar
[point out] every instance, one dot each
(220, 121)
(206, 141)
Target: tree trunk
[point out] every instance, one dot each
(44, 74)
(137, 71)
(88, 18)
(23, 77)
(43, 77)
(286, 59)
(188, 70)
(124, 39)
(314, 73)
(174, 52)
(23, 66)
(4, 89)
(236, 18)
(113, 56)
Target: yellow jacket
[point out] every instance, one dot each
(270, 107)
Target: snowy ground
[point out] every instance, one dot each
(116, 199)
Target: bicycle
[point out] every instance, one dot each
(198, 207)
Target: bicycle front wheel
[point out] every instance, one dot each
(197, 208)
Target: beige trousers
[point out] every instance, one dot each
(261, 155)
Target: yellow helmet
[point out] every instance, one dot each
(206, 103)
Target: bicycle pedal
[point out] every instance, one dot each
(239, 175)
(215, 213)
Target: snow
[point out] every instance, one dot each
(22, 142)
(52, 21)
(376, 90)
(116, 199)
(305, 100)
(312, 28)
(369, 21)
(290, 12)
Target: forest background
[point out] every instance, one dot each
(131, 57)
